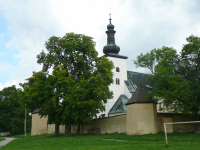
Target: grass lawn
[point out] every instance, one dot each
(98, 142)
(1, 139)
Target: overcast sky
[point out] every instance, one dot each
(141, 25)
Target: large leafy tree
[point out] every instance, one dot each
(176, 77)
(78, 85)
(11, 112)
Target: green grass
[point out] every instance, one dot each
(97, 142)
(1, 138)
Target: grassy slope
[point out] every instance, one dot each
(77, 142)
(1, 138)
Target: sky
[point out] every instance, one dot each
(140, 25)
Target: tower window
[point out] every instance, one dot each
(117, 81)
(117, 69)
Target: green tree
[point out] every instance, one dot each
(87, 93)
(11, 112)
(189, 68)
(78, 86)
(176, 77)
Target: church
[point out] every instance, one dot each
(125, 82)
(128, 111)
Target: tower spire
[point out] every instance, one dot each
(111, 47)
(110, 19)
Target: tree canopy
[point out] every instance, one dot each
(11, 112)
(176, 76)
(77, 88)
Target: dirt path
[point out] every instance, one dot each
(6, 141)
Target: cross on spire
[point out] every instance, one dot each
(110, 18)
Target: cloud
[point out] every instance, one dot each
(140, 26)
(7, 84)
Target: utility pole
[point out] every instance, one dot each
(25, 123)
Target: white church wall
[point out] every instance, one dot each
(127, 92)
(117, 89)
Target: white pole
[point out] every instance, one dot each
(176, 123)
(165, 134)
(25, 123)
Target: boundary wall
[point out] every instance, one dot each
(113, 124)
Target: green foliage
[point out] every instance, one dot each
(156, 57)
(87, 94)
(176, 77)
(189, 68)
(41, 91)
(11, 113)
(78, 85)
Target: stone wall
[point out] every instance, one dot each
(114, 124)
(175, 127)
(183, 127)
(40, 126)
(161, 121)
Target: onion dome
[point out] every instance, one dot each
(111, 47)
(110, 26)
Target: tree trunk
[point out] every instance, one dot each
(56, 129)
(197, 125)
(56, 124)
(78, 130)
(67, 130)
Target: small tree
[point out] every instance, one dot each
(11, 113)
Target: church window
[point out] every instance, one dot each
(117, 69)
(117, 81)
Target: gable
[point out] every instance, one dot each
(119, 106)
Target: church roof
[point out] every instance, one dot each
(119, 106)
(36, 111)
(115, 55)
(140, 96)
(134, 78)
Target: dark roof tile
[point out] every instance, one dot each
(140, 96)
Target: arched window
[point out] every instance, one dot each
(117, 81)
(117, 69)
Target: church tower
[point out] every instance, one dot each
(111, 51)
(141, 114)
